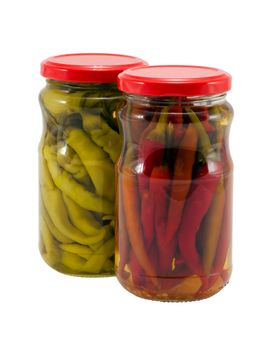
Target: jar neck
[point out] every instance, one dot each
(91, 87)
(154, 101)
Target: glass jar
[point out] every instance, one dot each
(174, 215)
(77, 153)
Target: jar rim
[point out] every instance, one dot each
(171, 100)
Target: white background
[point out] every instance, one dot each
(42, 309)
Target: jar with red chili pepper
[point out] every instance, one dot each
(174, 197)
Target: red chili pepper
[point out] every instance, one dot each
(181, 182)
(197, 204)
(151, 153)
(147, 217)
(137, 272)
(152, 149)
(159, 188)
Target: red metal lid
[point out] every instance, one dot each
(88, 67)
(174, 81)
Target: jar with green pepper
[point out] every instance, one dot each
(79, 147)
(175, 183)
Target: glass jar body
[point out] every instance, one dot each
(77, 152)
(174, 221)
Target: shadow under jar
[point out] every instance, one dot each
(173, 239)
(77, 153)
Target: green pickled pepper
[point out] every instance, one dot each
(77, 156)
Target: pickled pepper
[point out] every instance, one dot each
(177, 182)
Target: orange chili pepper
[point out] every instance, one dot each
(212, 227)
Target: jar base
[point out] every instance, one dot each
(191, 288)
(67, 271)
